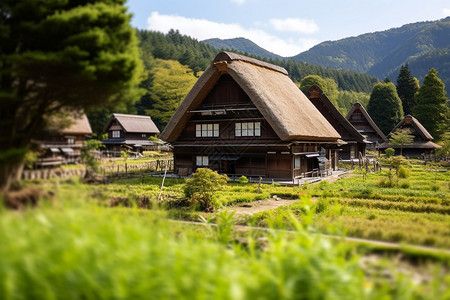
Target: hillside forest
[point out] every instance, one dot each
(173, 62)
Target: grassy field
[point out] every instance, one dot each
(94, 242)
(414, 211)
(75, 249)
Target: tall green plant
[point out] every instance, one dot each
(385, 106)
(407, 86)
(201, 187)
(431, 109)
(401, 137)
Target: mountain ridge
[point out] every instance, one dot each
(422, 45)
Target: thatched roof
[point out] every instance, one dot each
(315, 94)
(79, 125)
(419, 129)
(414, 145)
(360, 107)
(133, 123)
(288, 111)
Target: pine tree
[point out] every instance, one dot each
(407, 86)
(431, 109)
(60, 56)
(385, 106)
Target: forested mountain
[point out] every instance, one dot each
(242, 45)
(423, 45)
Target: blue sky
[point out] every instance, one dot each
(284, 27)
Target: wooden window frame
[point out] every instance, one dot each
(210, 130)
(247, 129)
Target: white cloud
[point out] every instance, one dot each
(240, 2)
(295, 25)
(446, 12)
(202, 29)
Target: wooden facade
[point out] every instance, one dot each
(130, 131)
(362, 121)
(63, 146)
(225, 124)
(355, 142)
(422, 143)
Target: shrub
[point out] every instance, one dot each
(385, 183)
(200, 188)
(389, 152)
(403, 172)
(404, 184)
(435, 187)
(243, 179)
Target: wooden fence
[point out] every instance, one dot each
(52, 173)
(117, 170)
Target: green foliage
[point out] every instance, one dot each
(401, 137)
(243, 179)
(431, 109)
(125, 154)
(445, 143)
(200, 188)
(225, 225)
(389, 152)
(59, 56)
(95, 248)
(171, 83)
(385, 106)
(407, 86)
(403, 172)
(87, 157)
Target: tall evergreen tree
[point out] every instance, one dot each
(57, 56)
(431, 109)
(385, 106)
(407, 86)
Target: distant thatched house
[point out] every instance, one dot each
(130, 131)
(355, 143)
(362, 121)
(63, 146)
(246, 117)
(421, 145)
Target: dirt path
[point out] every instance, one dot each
(258, 206)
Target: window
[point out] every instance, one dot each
(248, 129)
(202, 161)
(144, 135)
(297, 162)
(207, 130)
(70, 140)
(116, 134)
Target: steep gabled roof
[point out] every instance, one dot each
(419, 130)
(80, 125)
(133, 123)
(316, 94)
(291, 115)
(360, 107)
(409, 119)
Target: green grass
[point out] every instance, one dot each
(418, 214)
(82, 251)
